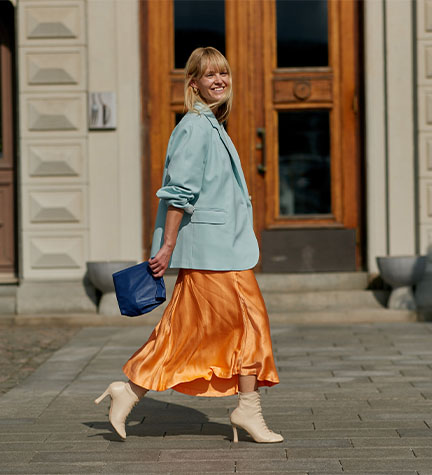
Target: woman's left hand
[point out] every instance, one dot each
(159, 263)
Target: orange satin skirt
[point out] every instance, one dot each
(214, 329)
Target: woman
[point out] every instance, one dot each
(214, 337)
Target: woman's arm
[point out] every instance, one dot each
(159, 263)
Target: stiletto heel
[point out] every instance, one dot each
(248, 416)
(123, 399)
(235, 438)
(102, 396)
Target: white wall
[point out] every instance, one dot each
(390, 157)
(424, 114)
(114, 157)
(80, 191)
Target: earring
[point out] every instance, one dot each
(195, 90)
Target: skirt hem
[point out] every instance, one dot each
(187, 386)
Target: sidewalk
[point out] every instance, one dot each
(352, 399)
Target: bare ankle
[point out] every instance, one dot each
(138, 390)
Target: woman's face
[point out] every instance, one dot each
(213, 85)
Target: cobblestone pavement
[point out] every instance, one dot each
(352, 400)
(23, 350)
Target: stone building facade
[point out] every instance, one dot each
(79, 191)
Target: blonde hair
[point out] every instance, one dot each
(198, 62)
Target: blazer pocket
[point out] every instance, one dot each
(209, 216)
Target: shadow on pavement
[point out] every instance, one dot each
(154, 418)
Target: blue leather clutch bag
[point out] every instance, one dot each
(137, 291)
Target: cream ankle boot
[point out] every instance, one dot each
(248, 416)
(123, 399)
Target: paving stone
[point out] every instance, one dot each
(422, 452)
(349, 433)
(221, 466)
(370, 424)
(316, 443)
(373, 472)
(32, 437)
(164, 443)
(17, 457)
(389, 465)
(144, 455)
(232, 454)
(309, 464)
(360, 453)
(343, 396)
(54, 469)
(290, 472)
(392, 442)
(401, 416)
(47, 428)
(23, 350)
(415, 432)
(99, 445)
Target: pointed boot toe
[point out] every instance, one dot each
(123, 399)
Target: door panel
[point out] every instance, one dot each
(294, 120)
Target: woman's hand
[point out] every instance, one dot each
(159, 263)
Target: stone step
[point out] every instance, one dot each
(7, 305)
(298, 318)
(347, 316)
(322, 301)
(8, 290)
(302, 282)
(8, 299)
(312, 282)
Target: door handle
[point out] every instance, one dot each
(261, 133)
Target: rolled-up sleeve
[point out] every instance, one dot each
(186, 159)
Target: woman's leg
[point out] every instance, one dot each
(138, 390)
(248, 414)
(247, 384)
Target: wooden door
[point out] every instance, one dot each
(7, 170)
(294, 120)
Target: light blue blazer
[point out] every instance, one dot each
(203, 175)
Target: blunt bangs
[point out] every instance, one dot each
(197, 64)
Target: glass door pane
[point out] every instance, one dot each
(302, 33)
(1, 108)
(304, 163)
(197, 23)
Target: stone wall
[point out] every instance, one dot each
(80, 191)
(391, 195)
(424, 114)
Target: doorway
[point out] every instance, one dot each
(295, 119)
(7, 159)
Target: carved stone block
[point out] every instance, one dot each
(52, 22)
(429, 154)
(428, 108)
(56, 206)
(428, 62)
(55, 160)
(54, 114)
(428, 15)
(429, 200)
(61, 252)
(53, 68)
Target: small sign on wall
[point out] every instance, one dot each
(102, 111)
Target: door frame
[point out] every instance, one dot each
(246, 24)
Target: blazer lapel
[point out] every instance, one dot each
(232, 152)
